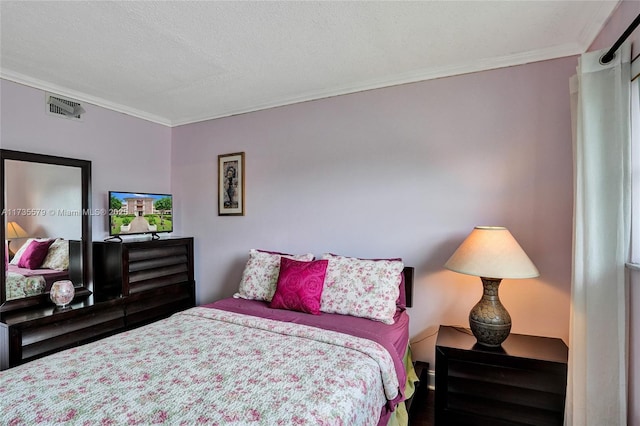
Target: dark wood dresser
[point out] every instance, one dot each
(153, 277)
(523, 382)
(135, 283)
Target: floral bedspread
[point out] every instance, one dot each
(205, 366)
(19, 286)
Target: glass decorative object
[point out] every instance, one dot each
(62, 293)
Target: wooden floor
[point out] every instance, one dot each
(422, 413)
(421, 406)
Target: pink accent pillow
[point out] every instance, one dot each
(300, 285)
(34, 255)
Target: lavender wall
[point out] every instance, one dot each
(403, 171)
(127, 154)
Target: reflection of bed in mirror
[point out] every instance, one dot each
(30, 282)
(30, 275)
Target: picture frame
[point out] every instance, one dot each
(231, 184)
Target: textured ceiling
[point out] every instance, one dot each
(180, 62)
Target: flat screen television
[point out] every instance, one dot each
(132, 213)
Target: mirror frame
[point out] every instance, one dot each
(85, 171)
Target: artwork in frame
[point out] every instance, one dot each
(231, 184)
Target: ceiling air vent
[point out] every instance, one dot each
(64, 107)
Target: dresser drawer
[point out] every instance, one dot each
(144, 308)
(48, 334)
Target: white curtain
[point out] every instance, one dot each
(597, 385)
(635, 165)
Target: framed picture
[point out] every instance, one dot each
(231, 184)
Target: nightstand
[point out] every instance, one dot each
(523, 382)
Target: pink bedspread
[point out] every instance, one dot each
(205, 366)
(394, 337)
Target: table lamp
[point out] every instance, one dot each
(14, 231)
(491, 253)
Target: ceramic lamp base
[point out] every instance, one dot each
(489, 320)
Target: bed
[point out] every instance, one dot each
(237, 361)
(35, 275)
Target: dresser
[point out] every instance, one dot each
(135, 283)
(154, 278)
(523, 382)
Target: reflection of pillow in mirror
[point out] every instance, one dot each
(34, 254)
(18, 255)
(58, 256)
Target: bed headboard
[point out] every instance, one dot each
(408, 285)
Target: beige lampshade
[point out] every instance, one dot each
(15, 231)
(491, 252)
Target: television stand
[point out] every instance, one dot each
(155, 236)
(114, 238)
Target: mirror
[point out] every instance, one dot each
(44, 197)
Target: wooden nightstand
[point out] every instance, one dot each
(523, 382)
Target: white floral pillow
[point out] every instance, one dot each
(261, 272)
(362, 288)
(58, 256)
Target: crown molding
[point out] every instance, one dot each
(81, 96)
(596, 22)
(561, 51)
(399, 79)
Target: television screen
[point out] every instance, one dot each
(139, 213)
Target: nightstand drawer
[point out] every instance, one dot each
(511, 407)
(515, 395)
(471, 418)
(523, 376)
